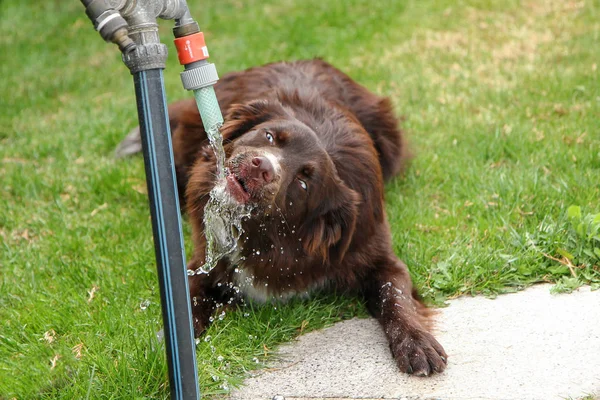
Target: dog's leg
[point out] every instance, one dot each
(209, 293)
(203, 304)
(389, 296)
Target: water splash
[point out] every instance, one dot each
(144, 304)
(222, 214)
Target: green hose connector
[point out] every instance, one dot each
(212, 119)
(201, 77)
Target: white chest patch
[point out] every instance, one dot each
(245, 282)
(261, 292)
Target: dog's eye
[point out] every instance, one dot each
(270, 137)
(302, 184)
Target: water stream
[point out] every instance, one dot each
(216, 142)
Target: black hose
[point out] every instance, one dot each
(168, 239)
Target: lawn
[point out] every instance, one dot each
(502, 106)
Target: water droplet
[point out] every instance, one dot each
(207, 338)
(222, 316)
(220, 358)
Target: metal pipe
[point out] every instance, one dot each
(168, 239)
(186, 18)
(146, 60)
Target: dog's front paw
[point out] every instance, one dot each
(419, 353)
(199, 327)
(201, 311)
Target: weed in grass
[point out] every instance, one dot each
(576, 242)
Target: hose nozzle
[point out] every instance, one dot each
(121, 38)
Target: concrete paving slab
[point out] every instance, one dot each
(530, 345)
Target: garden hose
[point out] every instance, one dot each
(200, 76)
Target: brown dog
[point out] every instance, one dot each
(310, 149)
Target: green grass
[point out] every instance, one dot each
(502, 106)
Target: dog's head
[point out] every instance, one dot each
(279, 165)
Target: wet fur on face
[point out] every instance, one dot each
(309, 149)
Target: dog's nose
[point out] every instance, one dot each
(262, 169)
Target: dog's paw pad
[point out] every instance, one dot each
(419, 354)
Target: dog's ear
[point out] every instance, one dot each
(329, 231)
(241, 118)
